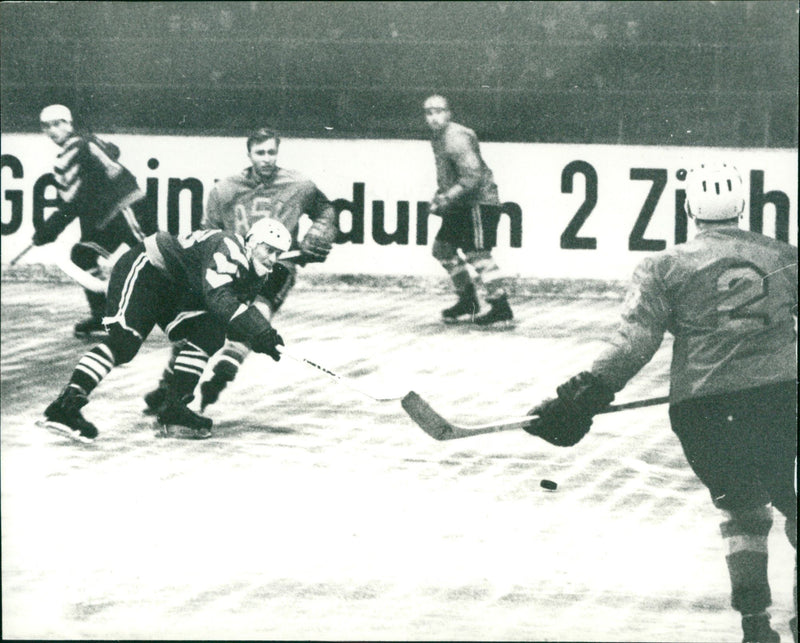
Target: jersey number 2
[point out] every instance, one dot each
(743, 286)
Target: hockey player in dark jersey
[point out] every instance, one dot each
(729, 298)
(262, 190)
(468, 203)
(94, 187)
(198, 288)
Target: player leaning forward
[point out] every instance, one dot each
(729, 298)
(235, 204)
(198, 288)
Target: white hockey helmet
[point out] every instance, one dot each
(269, 231)
(55, 113)
(266, 239)
(714, 192)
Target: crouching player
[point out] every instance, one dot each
(198, 288)
(262, 190)
(729, 298)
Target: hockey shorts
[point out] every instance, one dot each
(470, 227)
(742, 445)
(140, 297)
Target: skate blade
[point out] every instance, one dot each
(177, 432)
(498, 326)
(449, 321)
(63, 430)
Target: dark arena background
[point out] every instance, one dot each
(720, 73)
(314, 512)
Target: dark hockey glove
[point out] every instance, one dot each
(267, 342)
(318, 242)
(49, 230)
(564, 420)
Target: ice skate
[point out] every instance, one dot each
(176, 420)
(499, 315)
(155, 399)
(63, 416)
(756, 629)
(467, 305)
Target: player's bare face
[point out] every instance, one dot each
(264, 157)
(264, 257)
(437, 115)
(58, 130)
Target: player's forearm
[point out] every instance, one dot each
(326, 214)
(630, 349)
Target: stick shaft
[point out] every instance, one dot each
(440, 429)
(344, 381)
(21, 254)
(89, 282)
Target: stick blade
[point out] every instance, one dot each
(426, 418)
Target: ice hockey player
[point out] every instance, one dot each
(261, 190)
(467, 201)
(198, 288)
(729, 298)
(103, 194)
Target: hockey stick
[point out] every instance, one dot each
(21, 254)
(89, 282)
(440, 429)
(345, 381)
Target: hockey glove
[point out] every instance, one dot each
(564, 420)
(267, 342)
(50, 229)
(439, 204)
(318, 242)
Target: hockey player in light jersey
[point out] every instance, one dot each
(729, 298)
(262, 190)
(94, 187)
(466, 198)
(199, 288)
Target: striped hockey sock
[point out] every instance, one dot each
(189, 366)
(746, 533)
(92, 368)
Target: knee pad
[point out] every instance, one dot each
(122, 343)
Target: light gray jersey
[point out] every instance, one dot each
(729, 297)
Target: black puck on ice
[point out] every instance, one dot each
(548, 484)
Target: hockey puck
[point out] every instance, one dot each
(548, 484)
